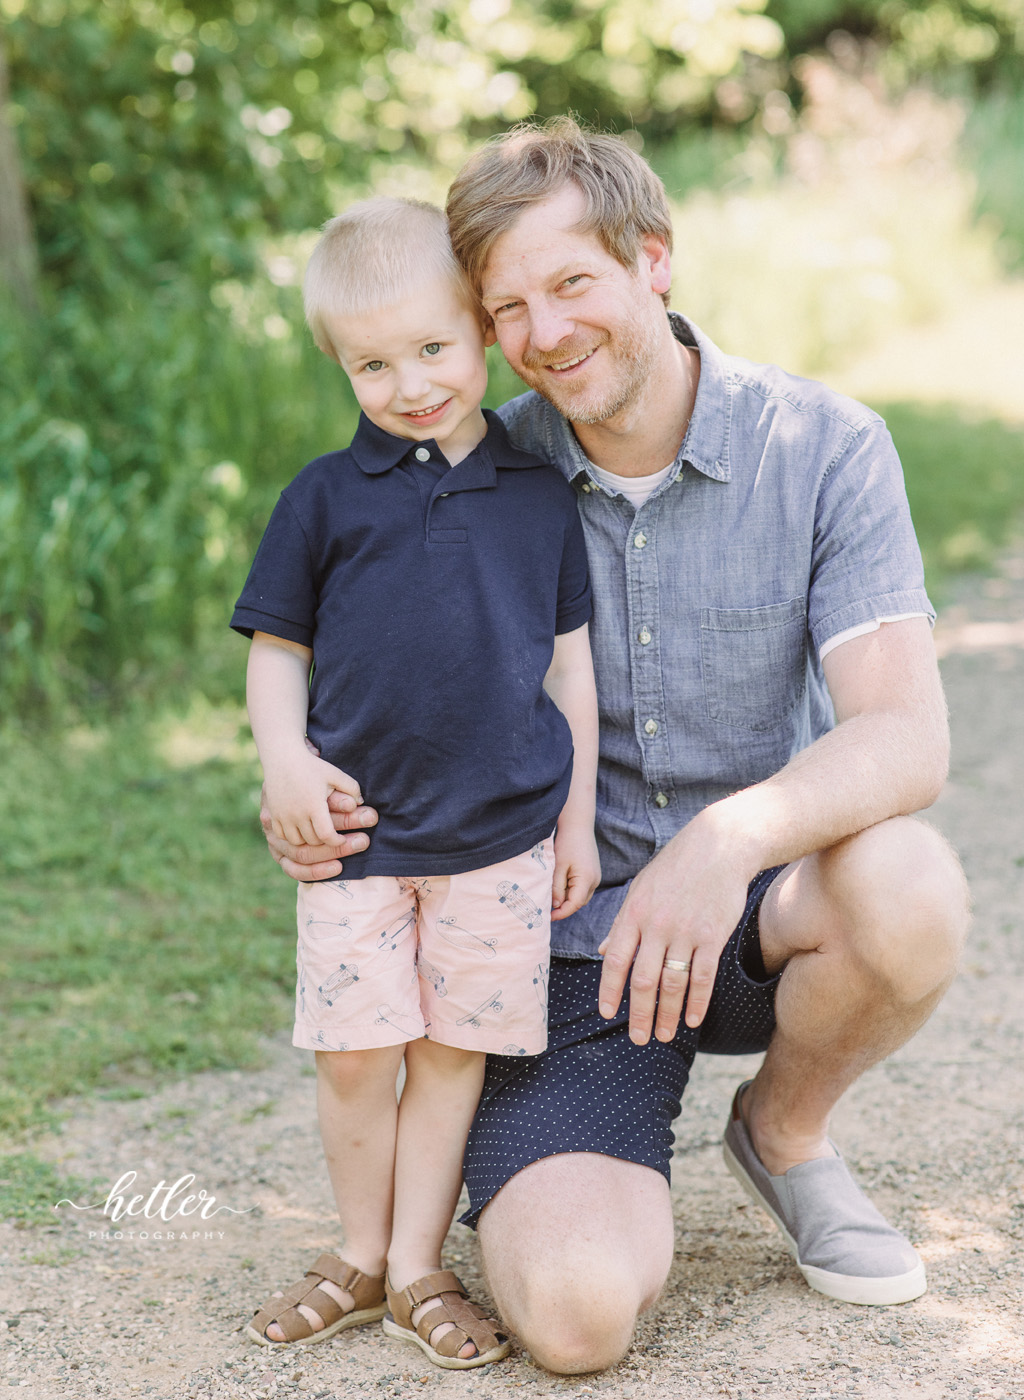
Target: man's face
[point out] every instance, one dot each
(573, 323)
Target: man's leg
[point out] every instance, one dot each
(869, 933)
(575, 1246)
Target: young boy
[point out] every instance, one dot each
(435, 579)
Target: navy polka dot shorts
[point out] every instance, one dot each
(593, 1090)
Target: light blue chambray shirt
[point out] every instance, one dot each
(785, 523)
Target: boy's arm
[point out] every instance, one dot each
(570, 683)
(297, 782)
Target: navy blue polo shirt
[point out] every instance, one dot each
(431, 596)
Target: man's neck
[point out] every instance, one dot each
(647, 435)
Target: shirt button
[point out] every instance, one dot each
(639, 540)
(644, 636)
(651, 727)
(422, 454)
(586, 489)
(660, 800)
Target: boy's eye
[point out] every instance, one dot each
(432, 349)
(374, 365)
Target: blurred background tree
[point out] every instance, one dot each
(156, 386)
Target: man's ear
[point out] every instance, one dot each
(655, 262)
(490, 334)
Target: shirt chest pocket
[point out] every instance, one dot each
(754, 662)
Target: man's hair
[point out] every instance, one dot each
(624, 199)
(374, 254)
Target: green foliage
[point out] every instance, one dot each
(125, 522)
(994, 142)
(964, 482)
(30, 1188)
(144, 929)
(923, 37)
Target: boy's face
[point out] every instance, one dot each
(417, 367)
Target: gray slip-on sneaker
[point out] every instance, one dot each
(842, 1245)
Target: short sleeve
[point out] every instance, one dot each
(575, 606)
(280, 596)
(866, 561)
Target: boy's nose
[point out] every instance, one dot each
(413, 383)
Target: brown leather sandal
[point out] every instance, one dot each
(367, 1294)
(471, 1323)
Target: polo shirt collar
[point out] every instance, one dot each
(376, 451)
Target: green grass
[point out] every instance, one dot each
(143, 929)
(30, 1188)
(965, 481)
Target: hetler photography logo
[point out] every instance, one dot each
(165, 1202)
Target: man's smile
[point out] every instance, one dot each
(571, 364)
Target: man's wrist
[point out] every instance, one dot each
(738, 828)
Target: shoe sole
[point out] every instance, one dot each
(449, 1363)
(846, 1288)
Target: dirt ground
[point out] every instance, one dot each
(936, 1134)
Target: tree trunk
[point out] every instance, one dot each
(18, 261)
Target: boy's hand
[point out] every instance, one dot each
(297, 794)
(577, 870)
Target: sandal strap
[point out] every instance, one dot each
(432, 1285)
(469, 1321)
(366, 1291)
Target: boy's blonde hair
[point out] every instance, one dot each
(374, 254)
(624, 198)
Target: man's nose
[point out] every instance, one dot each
(549, 326)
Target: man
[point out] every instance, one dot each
(771, 714)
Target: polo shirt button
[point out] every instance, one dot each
(651, 727)
(422, 454)
(660, 800)
(639, 540)
(644, 636)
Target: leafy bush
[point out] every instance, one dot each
(143, 444)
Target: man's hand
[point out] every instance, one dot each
(683, 907)
(323, 862)
(577, 871)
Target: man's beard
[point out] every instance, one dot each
(633, 354)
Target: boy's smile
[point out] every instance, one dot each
(417, 367)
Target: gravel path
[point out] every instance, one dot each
(936, 1134)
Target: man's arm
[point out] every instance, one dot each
(570, 683)
(887, 756)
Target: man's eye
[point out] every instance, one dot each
(571, 281)
(432, 349)
(374, 365)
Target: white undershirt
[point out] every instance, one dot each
(637, 489)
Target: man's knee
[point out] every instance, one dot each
(575, 1246)
(580, 1323)
(902, 904)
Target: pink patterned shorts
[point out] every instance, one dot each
(460, 959)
